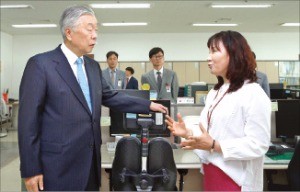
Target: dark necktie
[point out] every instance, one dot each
(159, 80)
(83, 82)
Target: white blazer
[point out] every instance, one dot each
(241, 124)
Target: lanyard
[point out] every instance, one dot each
(211, 109)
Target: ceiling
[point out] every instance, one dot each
(163, 16)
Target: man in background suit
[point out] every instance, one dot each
(61, 94)
(163, 81)
(131, 81)
(114, 77)
(262, 80)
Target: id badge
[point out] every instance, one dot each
(119, 83)
(168, 88)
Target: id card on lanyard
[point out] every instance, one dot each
(168, 88)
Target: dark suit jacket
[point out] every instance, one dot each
(57, 131)
(132, 83)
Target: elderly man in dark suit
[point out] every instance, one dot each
(61, 94)
(131, 81)
(160, 79)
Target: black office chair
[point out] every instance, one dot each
(127, 159)
(160, 157)
(293, 171)
(127, 173)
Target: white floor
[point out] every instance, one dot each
(10, 174)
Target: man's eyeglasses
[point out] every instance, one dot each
(157, 56)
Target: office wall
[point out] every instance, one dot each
(6, 66)
(135, 47)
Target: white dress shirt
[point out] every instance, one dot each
(241, 124)
(71, 57)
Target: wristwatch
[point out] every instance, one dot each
(212, 146)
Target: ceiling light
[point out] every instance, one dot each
(124, 24)
(214, 24)
(35, 26)
(241, 6)
(121, 6)
(290, 24)
(15, 6)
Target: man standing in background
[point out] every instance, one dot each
(114, 77)
(131, 81)
(160, 79)
(262, 80)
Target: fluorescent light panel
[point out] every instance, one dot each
(35, 26)
(290, 24)
(214, 24)
(242, 6)
(15, 6)
(121, 6)
(124, 24)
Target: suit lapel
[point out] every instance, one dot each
(108, 73)
(152, 80)
(118, 77)
(164, 79)
(64, 70)
(92, 78)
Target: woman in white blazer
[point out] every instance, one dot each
(235, 121)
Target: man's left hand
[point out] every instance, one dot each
(158, 107)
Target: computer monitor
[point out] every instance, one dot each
(126, 123)
(181, 91)
(191, 89)
(276, 85)
(287, 118)
(277, 94)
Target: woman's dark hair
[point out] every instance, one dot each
(241, 61)
(110, 53)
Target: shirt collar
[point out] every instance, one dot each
(161, 71)
(71, 57)
(129, 77)
(115, 70)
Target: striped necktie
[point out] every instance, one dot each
(159, 80)
(83, 82)
(113, 78)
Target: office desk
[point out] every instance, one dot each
(271, 168)
(275, 164)
(186, 159)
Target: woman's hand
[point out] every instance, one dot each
(204, 141)
(177, 128)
